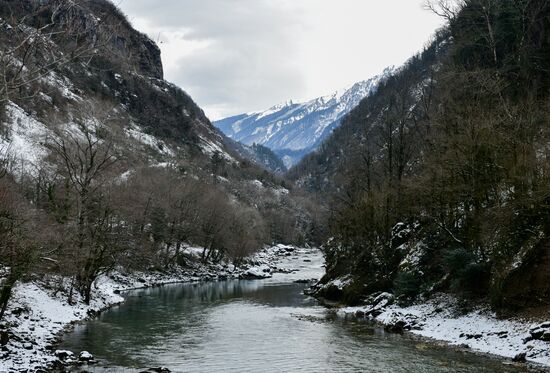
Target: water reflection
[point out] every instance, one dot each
(245, 326)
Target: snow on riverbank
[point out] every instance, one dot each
(34, 319)
(478, 329)
(39, 312)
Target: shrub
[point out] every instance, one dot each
(467, 274)
(407, 285)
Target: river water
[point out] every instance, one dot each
(254, 326)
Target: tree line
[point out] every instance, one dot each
(445, 180)
(98, 200)
(83, 213)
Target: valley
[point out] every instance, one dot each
(400, 224)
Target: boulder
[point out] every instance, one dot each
(397, 327)
(4, 338)
(85, 356)
(377, 303)
(63, 354)
(258, 272)
(540, 332)
(520, 358)
(18, 311)
(383, 300)
(471, 336)
(398, 322)
(159, 370)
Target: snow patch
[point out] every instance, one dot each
(149, 140)
(37, 314)
(479, 329)
(24, 140)
(261, 271)
(64, 85)
(210, 148)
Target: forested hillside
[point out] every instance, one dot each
(440, 181)
(424, 206)
(258, 154)
(106, 165)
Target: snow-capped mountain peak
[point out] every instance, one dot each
(293, 129)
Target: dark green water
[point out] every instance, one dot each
(253, 326)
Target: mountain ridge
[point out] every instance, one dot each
(294, 129)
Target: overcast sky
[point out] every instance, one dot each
(236, 56)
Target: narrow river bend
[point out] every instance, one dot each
(254, 326)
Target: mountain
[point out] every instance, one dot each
(104, 164)
(293, 130)
(92, 64)
(439, 181)
(259, 155)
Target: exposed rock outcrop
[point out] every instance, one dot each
(528, 282)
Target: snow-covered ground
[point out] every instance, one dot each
(38, 314)
(291, 264)
(479, 329)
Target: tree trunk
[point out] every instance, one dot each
(88, 291)
(5, 293)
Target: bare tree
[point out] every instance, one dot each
(84, 159)
(245, 233)
(25, 238)
(5, 161)
(447, 9)
(214, 209)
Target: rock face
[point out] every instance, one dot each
(149, 57)
(121, 69)
(145, 54)
(529, 283)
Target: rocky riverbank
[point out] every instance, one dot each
(39, 312)
(444, 318)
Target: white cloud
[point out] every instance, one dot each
(236, 56)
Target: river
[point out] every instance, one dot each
(254, 326)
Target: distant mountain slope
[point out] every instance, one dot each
(292, 130)
(259, 155)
